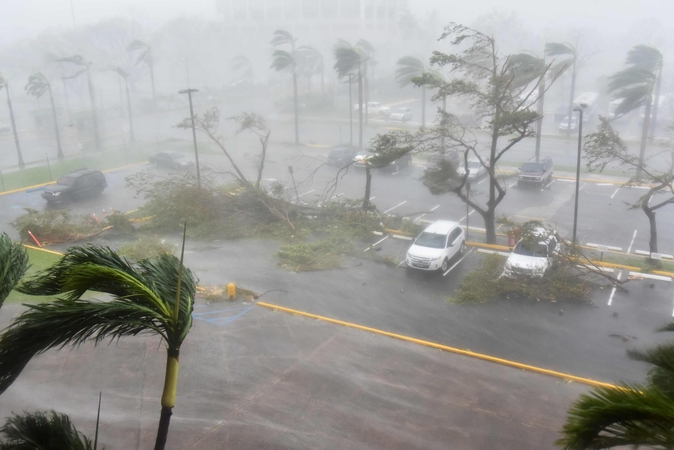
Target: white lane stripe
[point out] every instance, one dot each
(615, 192)
(610, 298)
(457, 263)
(399, 204)
(617, 249)
(432, 209)
(565, 180)
(401, 237)
(378, 242)
(512, 184)
(404, 168)
(650, 276)
(372, 198)
(645, 253)
(629, 249)
(548, 185)
(485, 179)
(492, 252)
(308, 192)
(581, 188)
(605, 184)
(464, 217)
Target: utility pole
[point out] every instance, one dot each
(194, 133)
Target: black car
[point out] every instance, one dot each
(171, 160)
(341, 155)
(76, 184)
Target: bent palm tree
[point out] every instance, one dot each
(37, 85)
(284, 60)
(43, 431)
(78, 60)
(243, 65)
(152, 296)
(409, 68)
(368, 50)
(13, 265)
(125, 76)
(569, 51)
(347, 60)
(312, 63)
(5, 84)
(650, 59)
(630, 415)
(145, 56)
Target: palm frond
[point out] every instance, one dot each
(607, 417)
(136, 45)
(661, 375)
(119, 71)
(559, 49)
(525, 68)
(282, 60)
(75, 59)
(347, 59)
(42, 430)
(282, 37)
(409, 67)
(366, 46)
(37, 85)
(76, 74)
(13, 265)
(144, 57)
(645, 57)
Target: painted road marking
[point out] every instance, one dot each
(512, 184)
(457, 263)
(465, 217)
(629, 249)
(650, 276)
(644, 253)
(483, 180)
(566, 180)
(378, 242)
(432, 209)
(401, 237)
(378, 233)
(492, 252)
(605, 184)
(616, 191)
(548, 185)
(581, 188)
(308, 192)
(617, 249)
(610, 299)
(399, 204)
(404, 168)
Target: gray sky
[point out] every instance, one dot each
(25, 18)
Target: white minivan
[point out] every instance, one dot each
(436, 246)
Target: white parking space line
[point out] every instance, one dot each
(457, 263)
(404, 168)
(548, 185)
(581, 188)
(629, 249)
(465, 217)
(617, 249)
(605, 184)
(565, 180)
(372, 198)
(512, 184)
(402, 238)
(483, 180)
(615, 192)
(637, 187)
(645, 253)
(308, 192)
(650, 276)
(492, 252)
(610, 298)
(378, 242)
(399, 204)
(432, 209)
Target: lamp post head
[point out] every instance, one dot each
(188, 91)
(581, 107)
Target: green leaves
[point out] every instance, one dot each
(409, 68)
(37, 85)
(282, 37)
(560, 49)
(13, 265)
(282, 60)
(605, 146)
(347, 58)
(42, 430)
(645, 57)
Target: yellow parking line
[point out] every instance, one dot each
(505, 362)
(42, 250)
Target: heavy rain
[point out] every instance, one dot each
(336, 224)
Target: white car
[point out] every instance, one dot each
(532, 256)
(375, 108)
(475, 169)
(436, 246)
(401, 115)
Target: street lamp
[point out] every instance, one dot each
(578, 109)
(187, 72)
(194, 133)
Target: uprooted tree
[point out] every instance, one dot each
(605, 147)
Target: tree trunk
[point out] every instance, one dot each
(368, 186)
(56, 124)
(653, 241)
(154, 95)
(350, 113)
(656, 104)
(297, 121)
(128, 102)
(444, 109)
(16, 135)
(490, 225)
(490, 213)
(367, 93)
(573, 93)
(322, 81)
(644, 135)
(94, 114)
(168, 399)
(423, 106)
(539, 110)
(264, 141)
(360, 107)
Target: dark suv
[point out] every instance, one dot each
(535, 172)
(341, 155)
(79, 183)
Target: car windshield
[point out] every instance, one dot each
(431, 240)
(67, 181)
(532, 167)
(528, 249)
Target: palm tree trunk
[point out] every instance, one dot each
(56, 124)
(360, 108)
(297, 121)
(128, 102)
(367, 93)
(350, 113)
(644, 135)
(539, 110)
(322, 80)
(444, 110)
(423, 106)
(94, 114)
(368, 187)
(154, 95)
(650, 213)
(573, 93)
(16, 135)
(168, 399)
(656, 103)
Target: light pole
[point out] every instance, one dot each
(580, 138)
(194, 133)
(187, 72)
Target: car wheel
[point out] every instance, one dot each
(444, 266)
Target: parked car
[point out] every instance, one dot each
(375, 108)
(401, 115)
(171, 160)
(76, 184)
(475, 169)
(404, 161)
(435, 247)
(534, 255)
(341, 155)
(535, 172)
(564, 124)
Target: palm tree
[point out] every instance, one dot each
(634, 86)
(145, 56)
(410, 67)
(125, 76)
(152, 296)
(651, 59)
(312, 63)
(243, 64)
(368, 49)
(43, 431)
(37, 85)
(631, 415)
(284, 60)
(78, 60)
(348, 59)
(569, 51)
(5, 84)
(13, 265)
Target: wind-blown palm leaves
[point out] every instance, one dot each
(350, 59)
(145, 56)
(630, 415)
(125, 76)
(368, 49)
(283, 60)
(569, 54)
(311, 63)
(242, 65)
(37, 85)
(79, 60)
(152, 296)
(13, 265)
(408, 69)
(39, 430)
(5, 84)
